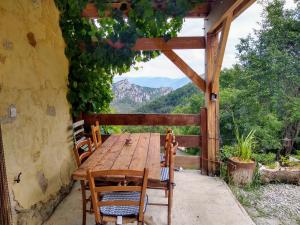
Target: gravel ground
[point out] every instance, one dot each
(272, 204)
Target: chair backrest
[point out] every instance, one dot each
(169, 140)
(80, 155)
(171, 159)
(96, 133)
(140, 177)
(78, 131)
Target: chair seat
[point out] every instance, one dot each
(162, 157)
(164, 174)
(122, 210)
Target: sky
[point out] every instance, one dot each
(240, 28)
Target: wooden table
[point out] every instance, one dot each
(114, 154)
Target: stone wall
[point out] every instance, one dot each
(34, 112)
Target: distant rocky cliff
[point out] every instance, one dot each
(128, 97)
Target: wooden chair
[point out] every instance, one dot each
(80, 135)
(96, 133)
(111, 202)
(80, 158)
(167, 181)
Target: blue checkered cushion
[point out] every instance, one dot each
(122, 210)
(162, 157)
(164, 174)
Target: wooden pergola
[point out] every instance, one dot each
(218, 16)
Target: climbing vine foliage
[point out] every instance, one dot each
(94, 60)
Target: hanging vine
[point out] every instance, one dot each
(99, 49)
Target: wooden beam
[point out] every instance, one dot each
(151, 44)
(220, 11)
(242, 7)
(187, 141)
(144, 119)
(186, 69)
(91, 11)
(212, 106)
(220, 53)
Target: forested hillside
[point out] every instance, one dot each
(167, 103)
(128, 96)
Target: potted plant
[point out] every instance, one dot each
(241, 167)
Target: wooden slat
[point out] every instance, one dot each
(91, 11)
(187, 162)
(144, 119)
(97, 156)
(78, 132)
(139, 157)
(124, 159)
(150, 44)
(78, 123)
(119, 203)
(220, 53)
(153, 156)
(186, 69)
(118, 188)
(109, 158)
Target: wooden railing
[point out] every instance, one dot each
(144, 119)
(188, 141)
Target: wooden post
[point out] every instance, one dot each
(204, 152)
(212, 104)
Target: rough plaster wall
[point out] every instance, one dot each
(33, 78)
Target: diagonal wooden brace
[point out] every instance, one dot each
(186, 69)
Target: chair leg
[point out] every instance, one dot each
(83, 202)
(170, 203)
(166, 193)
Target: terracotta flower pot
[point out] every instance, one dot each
(240, 172)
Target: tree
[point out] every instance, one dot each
(268, 84)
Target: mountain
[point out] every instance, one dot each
(155, 82)
(128, 96)
(167, 103)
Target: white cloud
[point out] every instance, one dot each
(241, 27)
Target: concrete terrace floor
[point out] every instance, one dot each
(198, 200)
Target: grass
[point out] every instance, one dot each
(296, 156)
(271, 165)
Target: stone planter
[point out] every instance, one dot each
(240, 172)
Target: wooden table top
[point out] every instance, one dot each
(143, 152)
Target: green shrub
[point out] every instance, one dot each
(245, 145)
(228, 151)
(264, 158)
